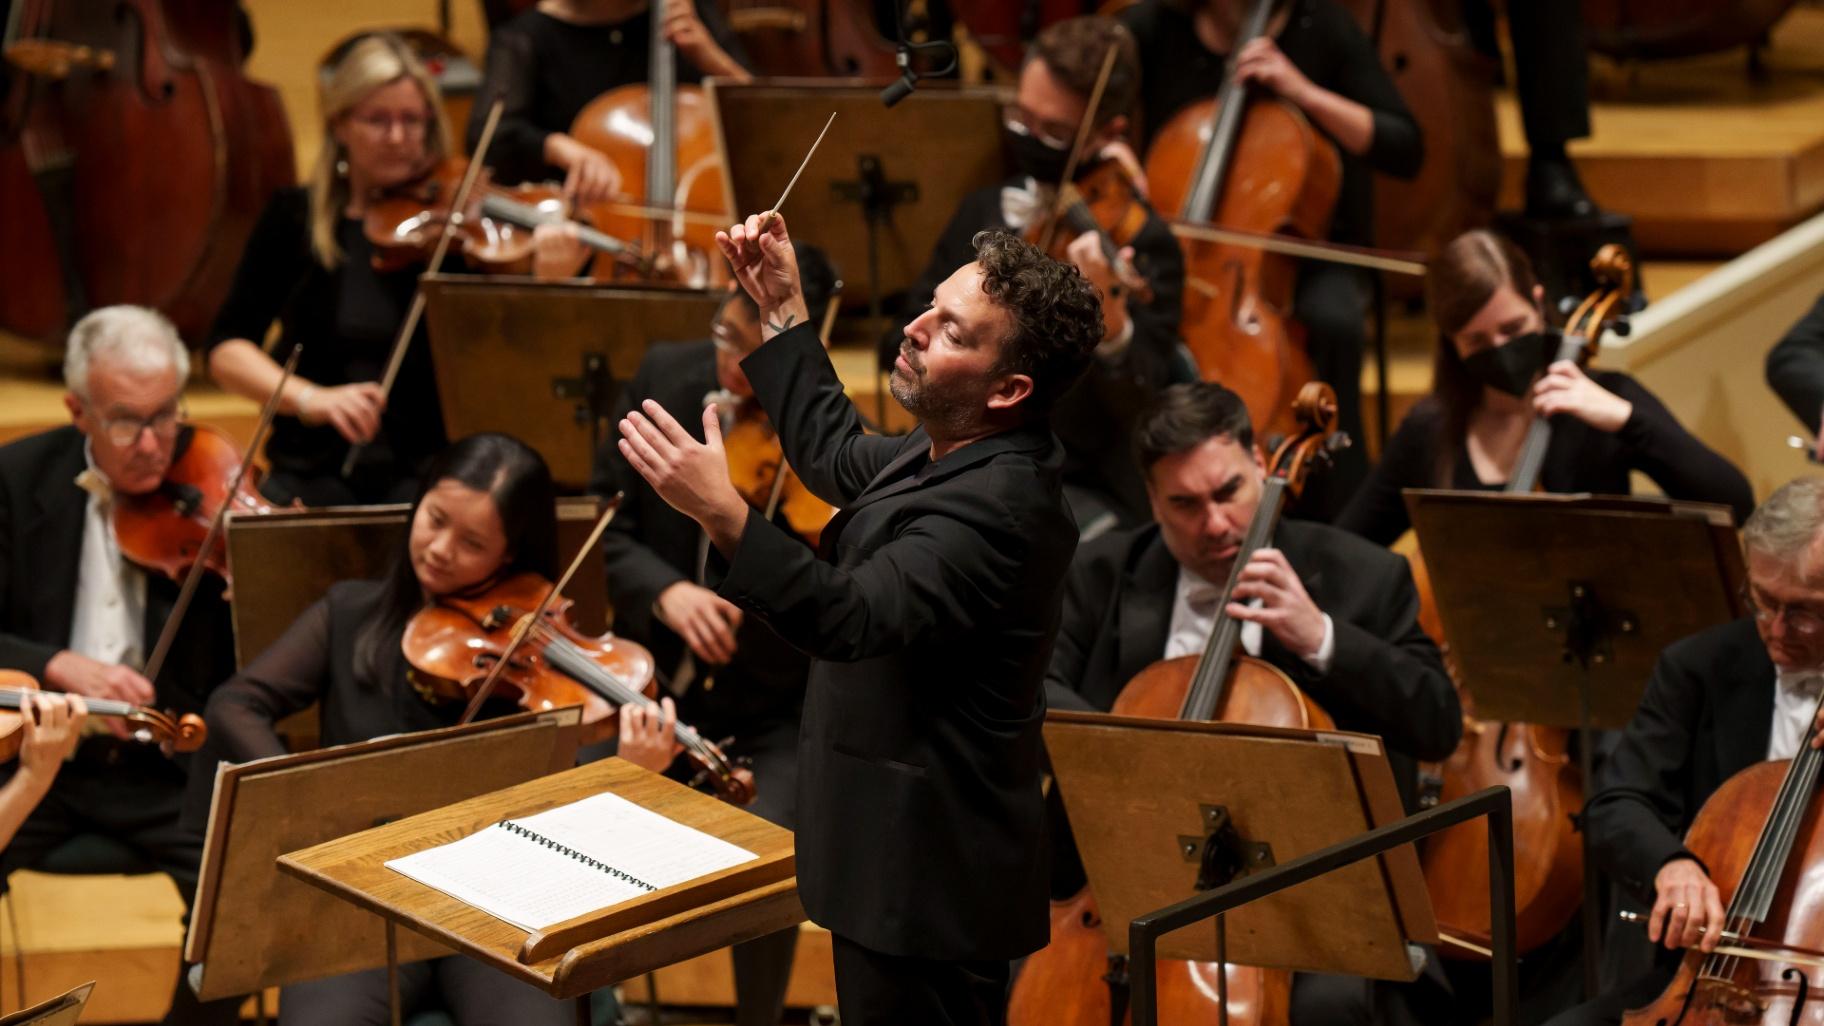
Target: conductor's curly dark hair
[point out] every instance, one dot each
(1056, 312)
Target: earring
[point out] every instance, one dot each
(341, 167)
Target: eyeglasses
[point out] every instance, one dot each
(1799, 620)
(124, 431)
(412, 125)
(1021, 122)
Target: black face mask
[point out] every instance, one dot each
(1044, 162)
(1512, 367)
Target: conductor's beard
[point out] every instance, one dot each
(946, 410)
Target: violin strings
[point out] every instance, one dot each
(581, 667)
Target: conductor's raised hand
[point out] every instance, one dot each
(759, 252)
(690, 475)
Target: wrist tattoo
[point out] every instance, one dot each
(790, 319)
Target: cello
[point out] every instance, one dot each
(1758, 837)
(1533, 762)
(1257, 164)
(1064, 983)
(661, 138)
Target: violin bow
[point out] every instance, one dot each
(772, 214)
(1390, 260)
(416, 313)
(524, 629)
(168, 634)
(1084, 127)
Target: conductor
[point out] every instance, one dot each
(929, 613)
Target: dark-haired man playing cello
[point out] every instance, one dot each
(929, 614)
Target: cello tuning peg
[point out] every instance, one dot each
(1338, 442)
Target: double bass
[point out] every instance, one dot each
(661, 138)
(1533, 762)
(1064, 983)
(135, 156)
(842, 38)
(1253, 163)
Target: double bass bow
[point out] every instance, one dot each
(1066, 981)
(1532, 761)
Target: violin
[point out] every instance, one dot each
(405, 223)
(164, 529)
(1758, 837)
(1532, 761)
(1255, 163)
(1064, 982)
(1103, 199)
(661, 138)
(756, 464)
(184, 733)
(455, 643)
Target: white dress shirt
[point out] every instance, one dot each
(1194, 608)
(1795, 699)
(109, 625)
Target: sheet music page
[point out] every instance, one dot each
(579, 858)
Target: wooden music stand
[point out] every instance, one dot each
(571, 959)
(881, 188)
(1158, 805)
(500, 344)
(253, 927)
(63, 1010)
(1558, 606)
(284, 561)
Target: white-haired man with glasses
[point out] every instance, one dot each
(1719, 702)
(77, 615)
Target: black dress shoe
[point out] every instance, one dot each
(1554, 192)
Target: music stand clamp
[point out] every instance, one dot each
(1495, 803)
(593, 393)
(1570, 563)
(1248, 796)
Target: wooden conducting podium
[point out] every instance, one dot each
(1220, 842)
(572, 958)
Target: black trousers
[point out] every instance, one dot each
(473, 994)
(1551, 66)
(877, 989)
(133, 794)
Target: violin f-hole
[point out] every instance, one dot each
(1798, 1001)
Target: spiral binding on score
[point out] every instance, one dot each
(571, 853)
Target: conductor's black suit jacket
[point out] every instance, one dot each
(42, 512)
(1385, 678)
(930, 615)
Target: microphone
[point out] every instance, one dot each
(901, 89)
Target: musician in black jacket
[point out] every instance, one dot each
(929, 618)
(1338, 615)
(75, 614)
(1795, 370)
(1140, 350)
(1719, 702)
(732, 675)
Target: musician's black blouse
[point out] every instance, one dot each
(1579, 459)
(547, 70)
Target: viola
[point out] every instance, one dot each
(757, 466)
(1758, 837)
(184, 733)
(455, 643)
(1254, 163)
(661, 138)
(1105, 200)
(1532, 761)
(164, 530)
(1064, 982)
(405, 223)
